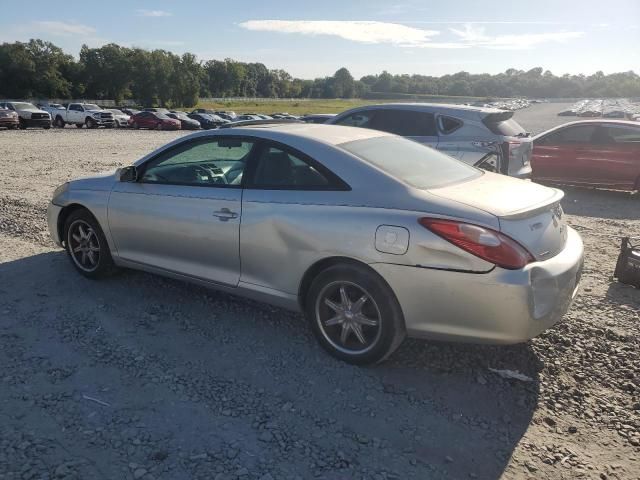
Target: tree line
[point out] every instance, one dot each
(40, 69)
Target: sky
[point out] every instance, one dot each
(315, 38)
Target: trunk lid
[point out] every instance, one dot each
(529, 213)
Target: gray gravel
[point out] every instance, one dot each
(139, 377)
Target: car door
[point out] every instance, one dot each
(613, 157)
(560, 155)
(76, 113)
(182, 215)
(277, 241)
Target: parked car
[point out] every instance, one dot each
(317, 117)
(156, 109)
(154, 120)
(208, 121)
(247, 117)
(28, 114)
(129, 111)
(487, 138)
(600, 153)
(226, 114)
(448, 252)
(52, 108)
(84, 114)
(9, 119)
(186, 123)
(208, 111)
(120, 119)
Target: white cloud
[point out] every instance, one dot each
(475, 36)
(472, 35)
(64, 29)
(153, 13)
(356, 31)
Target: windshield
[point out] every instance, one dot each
(24, 106)
(412, 162)
(160, 115)
(91, 106)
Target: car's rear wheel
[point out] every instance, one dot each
(354, 314)
(87, 246)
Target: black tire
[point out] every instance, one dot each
(135, 125)
(59, 123)
(380, 340)
(98, 263)
(90, 123)
(79, 125)
(159, 126)
(22, 125)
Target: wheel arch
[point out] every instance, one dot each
(321, 265)
(64, 214)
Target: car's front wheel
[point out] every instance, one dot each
(87, 246)
(90, 122)
(354, 314)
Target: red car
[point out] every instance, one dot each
(155, 120)
(599, 153)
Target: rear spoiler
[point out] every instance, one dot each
(542, 206)
(497, 117)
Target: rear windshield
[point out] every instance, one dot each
(412, 162)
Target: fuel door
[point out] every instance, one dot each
(392, 239)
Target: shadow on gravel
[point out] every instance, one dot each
(622, 294)
(436, 408)
(606, 204)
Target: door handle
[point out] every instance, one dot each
(225, 214)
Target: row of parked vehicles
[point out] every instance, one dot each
(24, 115)
(609, 108)
(603, 152)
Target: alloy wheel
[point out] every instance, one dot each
(84, 245)
(348, 317)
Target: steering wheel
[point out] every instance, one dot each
(209, 173)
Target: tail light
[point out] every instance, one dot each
(482, 242)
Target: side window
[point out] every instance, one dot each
(357, 119)
(449, 124)
(281, 169)
(406, 123)
(573, 135)
(75, 107)
(622, 134)
(212, 162)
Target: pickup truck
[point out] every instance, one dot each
(28, 114)
(81, 114)
(52, 108)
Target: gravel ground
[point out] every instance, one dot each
(139, 377)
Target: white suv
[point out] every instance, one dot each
(487, 138)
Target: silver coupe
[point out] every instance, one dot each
(373, 236)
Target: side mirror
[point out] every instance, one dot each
(127, 174)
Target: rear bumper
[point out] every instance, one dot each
(501, 306)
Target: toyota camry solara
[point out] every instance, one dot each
(372, 236)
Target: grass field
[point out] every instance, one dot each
(330, 105)
(296, 107)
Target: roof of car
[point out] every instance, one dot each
(612, 121)
(434, 106)
(331, 134)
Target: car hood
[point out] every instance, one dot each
(101, 181)
(32, 110)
